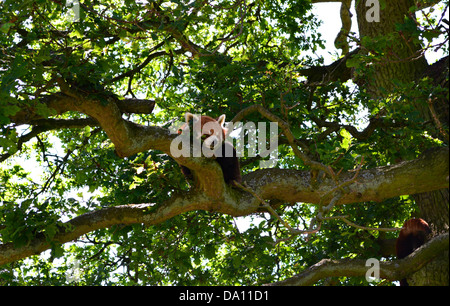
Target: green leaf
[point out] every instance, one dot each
(4, 28)
(347, 139)
(57, 250)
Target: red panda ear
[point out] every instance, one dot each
(221, 120)
(188, 116)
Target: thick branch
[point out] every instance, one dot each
(330, 73)
(126, 214)
(128, 138)
(148, 214)
(61, 103)
(427, 173)
(390, 270)
(430, 172)
(374, 123)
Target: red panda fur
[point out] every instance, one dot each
(414, 233)
(229, 164)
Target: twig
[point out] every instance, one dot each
(340, 187)
(286, 131)
(266, 205)
(380, 229)
(239, 24)
(293, 232)
(436, 120)
(338, 191)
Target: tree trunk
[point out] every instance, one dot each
(397, 63)
(402, 63)
(434, 208)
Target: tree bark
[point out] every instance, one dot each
(390, 270)
(289, 186)
(401, 61)
(404, 63)
(434, 208)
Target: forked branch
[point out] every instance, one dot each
(284, 126)
(389, 270)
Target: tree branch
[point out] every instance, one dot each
(62, 103)
(286, 131)
(330, 73)
(128, 138)
(374, 123)
(424, 174)
(390, 270)
(430, 172)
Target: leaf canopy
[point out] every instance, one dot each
(212, 58)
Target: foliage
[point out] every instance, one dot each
(209, 58)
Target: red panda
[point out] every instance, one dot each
(414, 233)
(212, 132)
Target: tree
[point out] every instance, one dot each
(89, 91)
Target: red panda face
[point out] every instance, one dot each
(210, 130)
(211, 133)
